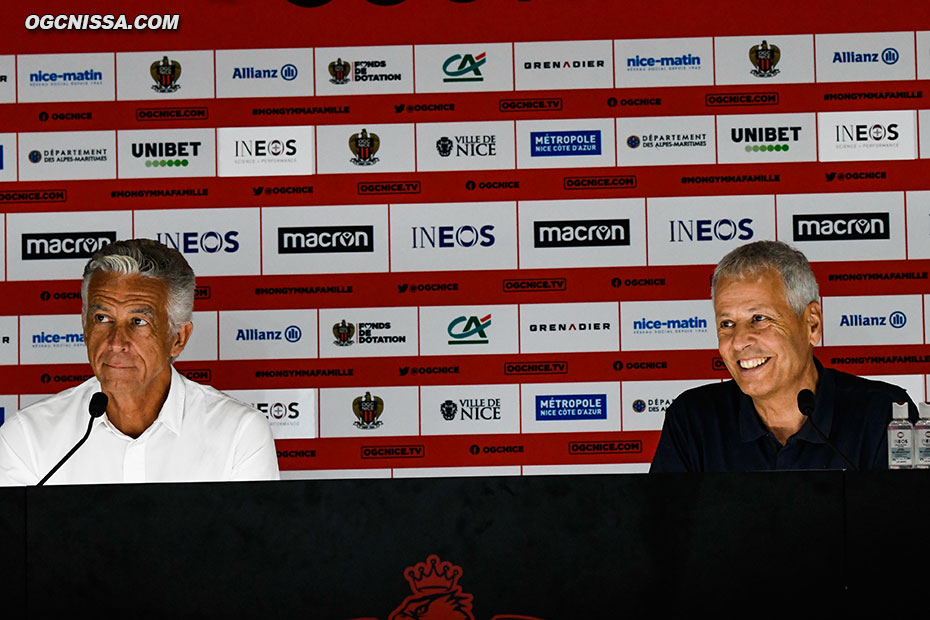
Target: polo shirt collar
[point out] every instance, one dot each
(751, 427)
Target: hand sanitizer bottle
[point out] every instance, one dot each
(922, 436)
(900, 438)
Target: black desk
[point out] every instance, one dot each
(549, 547)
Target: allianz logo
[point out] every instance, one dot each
(896, 319)
(656, 325)
(45, 339)
(291, 333)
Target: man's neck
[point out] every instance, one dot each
(779, 412)
(133, 412)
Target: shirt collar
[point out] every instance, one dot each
(172, 411)
(751, 427)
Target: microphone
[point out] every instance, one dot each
(806, 405)
(97, 407)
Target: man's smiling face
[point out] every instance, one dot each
(766, 347)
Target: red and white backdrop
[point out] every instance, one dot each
(437, 237)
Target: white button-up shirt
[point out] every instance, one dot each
(200, 434)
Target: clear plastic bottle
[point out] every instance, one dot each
(900, 438)
(922, 436)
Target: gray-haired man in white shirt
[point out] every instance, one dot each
(159, 427)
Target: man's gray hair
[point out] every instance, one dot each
(753, 258)
(150, 259)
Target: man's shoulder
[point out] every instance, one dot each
(855, 385)
(714, 392)
(213, 403)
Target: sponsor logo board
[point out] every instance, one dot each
(8, 163)
(599, 233)
(848, 226)
(364, 70)
(855, 136)
(70, 155)
(644, 402)
(764, 59)
(325, 239)
(868, 320)
(923, 123)
(365, 148)
(216, 242)
(51, 339)
(664, 62)
(268, 334)
(466, 146)
(918, 224)
(469, 409)
(166, 153)
(667, 325)
(666, 140)
(264, 73)
(861, 57)
(203, 344)
(570, 407)
(368, 332)
(56, 246)
(453, 236)
(563, 64)
(700, 230)
(265, 151)
(9, 341)
(575, 143)
(164, 75)
(550, 328)
(369, 411)
(65, 77)
(923, 55)
(912, 384)
(7, 79)
(757, 138)
(468, 330)
(291, 413)
(464, 67)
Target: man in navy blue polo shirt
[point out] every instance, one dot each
(769, 318)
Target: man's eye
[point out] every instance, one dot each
(726, 324)
(758, 318)
(100, 318)
(138, 321)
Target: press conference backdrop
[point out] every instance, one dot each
(440, 238)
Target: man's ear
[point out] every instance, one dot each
(181, 338)
(813, 320)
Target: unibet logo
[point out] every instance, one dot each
(171, 154)
(765, 135)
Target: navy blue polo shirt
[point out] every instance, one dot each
(716, 428)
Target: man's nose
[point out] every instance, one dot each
(118, 339)
(742, 336)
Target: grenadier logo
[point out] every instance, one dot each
(368, 409)
(340, 70)
(166, 74)
(764, 57)
(344, 332)
(364, 146)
